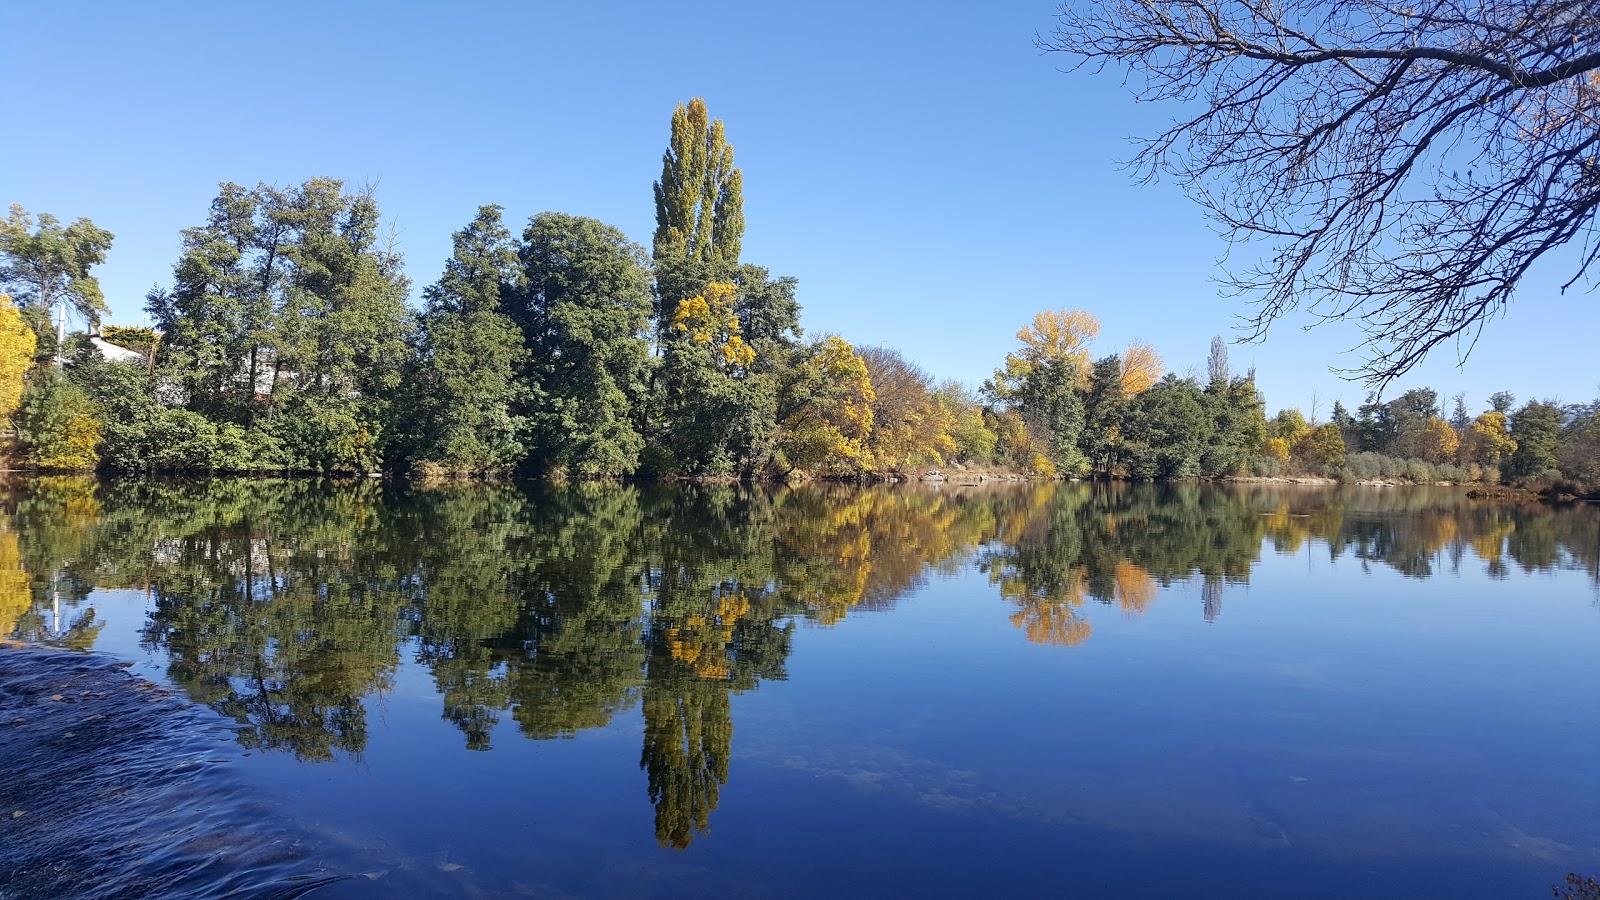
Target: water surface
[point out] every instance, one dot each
(697, 691)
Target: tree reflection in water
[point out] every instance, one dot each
(288, 605)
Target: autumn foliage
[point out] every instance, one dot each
(17, 343)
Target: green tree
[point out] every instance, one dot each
(719, 400)
(1105, 407)
(217, 318)
(1342, 418)
(1239, 423)
(288, 319)
(344, 332)
(711, 421)
(767, 308)
(141, 435)
(1410, 414)
(1051, 405)
(464, 386)
(584, 309)
(1043, 378)
(46, 267)
(974, 441)
(1580, 444)
(1168, 430)
(700, 197)
(1536, 428)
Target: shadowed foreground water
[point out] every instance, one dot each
(115, 789)
(1036, 689)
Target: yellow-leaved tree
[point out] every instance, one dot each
(1141, 368)
(1322, 447)
(711, 321)
(827, 411)
(910, 427)
(17, 344)
(1487, 441)
(1438, 441)
(1057, 342)
(16, 591)
(1059, 335)
(1290, 425)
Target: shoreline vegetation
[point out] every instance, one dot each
(285, 344)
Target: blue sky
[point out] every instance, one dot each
(927, 174)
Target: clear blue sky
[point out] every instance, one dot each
(927, 174)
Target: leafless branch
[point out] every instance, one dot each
(1405, 164)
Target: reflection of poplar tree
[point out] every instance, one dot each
(696, 661)
(688, 735)
(1211, 598)
(713, 630)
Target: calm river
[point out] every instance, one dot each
(721, 691)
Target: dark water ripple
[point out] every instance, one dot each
(115, 788)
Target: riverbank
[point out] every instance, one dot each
(116, 787)
(1475, 490)
(933, 477)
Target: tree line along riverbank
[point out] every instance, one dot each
(285, 343)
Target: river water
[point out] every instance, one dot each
(611, 690)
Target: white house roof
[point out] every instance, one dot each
(113, 352)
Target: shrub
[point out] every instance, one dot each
(140, 434)
(57, 425)
(1364, 466)
(183, 441)
(326, 435)
(1417, 470)
(1265, 467)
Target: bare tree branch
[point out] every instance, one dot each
(1405, 164)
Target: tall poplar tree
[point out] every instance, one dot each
(700, 197)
